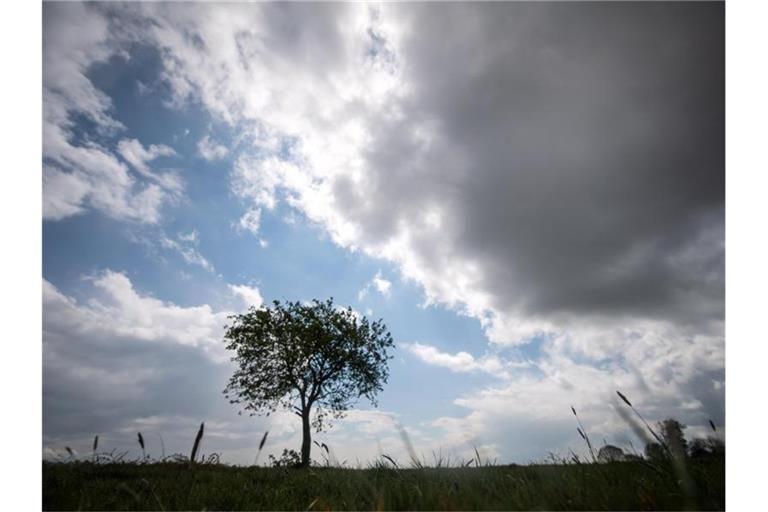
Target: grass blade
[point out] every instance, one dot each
(196, 446)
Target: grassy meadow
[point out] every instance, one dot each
(631, 485)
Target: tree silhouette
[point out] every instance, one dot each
(610, 453)
(706, 447)
(298, 356)
(672, 433)
(654, 451)
(672, 442)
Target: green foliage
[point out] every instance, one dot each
(168, 486)
(298, 356)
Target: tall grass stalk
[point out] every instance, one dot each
(582, 431)
(415, 462)
(653, 432)
(162, 445)
(196, 445)
(141, 443)
(678, 463)
(390, 459)
(261, 446)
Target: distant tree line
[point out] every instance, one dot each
(673, 443)
(671, 432)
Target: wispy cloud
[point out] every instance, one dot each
(459, 362)
(139, 157)
(379, 284)
(185, 244)
(211, 150)
(250, 221)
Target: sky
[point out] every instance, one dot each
(531, 196)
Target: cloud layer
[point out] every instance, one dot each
(574, 171)
(82, 172)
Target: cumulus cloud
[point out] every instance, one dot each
(527, 137)
(535, 405)
(249, 295)
(122, 357)
(120, 311)
(78, 176)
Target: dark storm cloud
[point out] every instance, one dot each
(586, 152)
(575, 150)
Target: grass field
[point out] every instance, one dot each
(633, 485)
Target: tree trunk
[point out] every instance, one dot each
(306, 441)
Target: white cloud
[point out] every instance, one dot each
(366, 124)
(459, 362)
(122, 312)
(186, 246)
(382, 285)
(63, 193)
(138, 156)
(211, 150)
(378, 283)
(86, 175)
(92, 177)
(250, 221)
(259, 179)
(191, 237)
(663, 374)
(120, 356)
(347, 130)
(249, 295)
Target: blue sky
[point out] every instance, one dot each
(199, 160)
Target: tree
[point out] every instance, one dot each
(706, 447)
(654, 451)
(610, 453)
(672, 442)
(672, 434)
(298, 356)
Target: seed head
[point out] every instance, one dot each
(626, 401)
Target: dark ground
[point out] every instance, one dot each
(177, 486)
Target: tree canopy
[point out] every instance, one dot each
(672, 434)
(297, 356)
